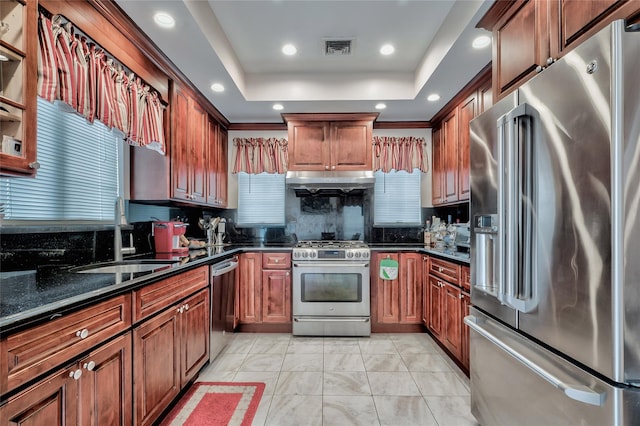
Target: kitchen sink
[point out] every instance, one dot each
(127, 266)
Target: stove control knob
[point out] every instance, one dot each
(365, 254)
(304, 254)
(349, 254)
(357, 254)
(313, 254)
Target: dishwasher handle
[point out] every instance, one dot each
(223, 268)
(578, 392)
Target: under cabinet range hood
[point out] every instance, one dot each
(336, 182)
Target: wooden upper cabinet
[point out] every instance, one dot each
(522, 44)
(529, 35)
(437, 180)
(308, 145)
(18, 87)
(196, 162)
(330, 142)
(466, 112)
(216, 165)
(351, 145)
(450, 146)
(578, 19)
(179, 145)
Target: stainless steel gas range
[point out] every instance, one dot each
(331, 294)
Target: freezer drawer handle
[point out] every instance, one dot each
(579, 393)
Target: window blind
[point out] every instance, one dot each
(397, 199)
(78, 175)
(261, 199)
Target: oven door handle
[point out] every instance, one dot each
(331, 319)
(331, 264)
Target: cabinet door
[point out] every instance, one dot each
(351, 145)
(156, 365)
(194, 326)
(437, 182)
(308, 145)
(387, 294)
(467, 111)
(425, 291)
(466, 303)
(105, 385)
(521, 41)
(452, 337)
(578, 16)
(410, 288)
(212, 161)
(180, 145)
(250, 273)
(485, 96)
(276, 296)
(450, 160)
(434, 314)
(53, 401)
(196, 162)
(222, 168)
(18, 84)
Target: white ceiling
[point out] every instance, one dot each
(237, 43)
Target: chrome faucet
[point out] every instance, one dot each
(120, 224)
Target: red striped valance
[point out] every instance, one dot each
(259, 155)
(405, 153)
(73, 70)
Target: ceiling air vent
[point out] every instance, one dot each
(341, 47)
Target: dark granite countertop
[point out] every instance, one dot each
(35, 293)
(32, 294)
(458, 256)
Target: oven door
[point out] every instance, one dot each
(330, 289)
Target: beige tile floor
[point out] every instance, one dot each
(387, 379)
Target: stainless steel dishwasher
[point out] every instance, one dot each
(223, 304)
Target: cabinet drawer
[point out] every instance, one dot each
(35, 351)
(465, 281)
(276, 260)
(157, 296)
(446, 270)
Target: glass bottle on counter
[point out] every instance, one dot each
(427, 234)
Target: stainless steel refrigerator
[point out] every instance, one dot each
(555, 243)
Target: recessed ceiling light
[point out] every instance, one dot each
(387, 49)
(481, 42)
(278, 107)
(289, 49)
(217, 87)
(380, 106)
(164, 20)
(433, 97)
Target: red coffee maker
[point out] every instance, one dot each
(167, 237)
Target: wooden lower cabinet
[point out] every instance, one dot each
(398, 301)
(168, 350)
(265, 288)
(93, 391)
(250, 287)
(276, 296)
(445, 306)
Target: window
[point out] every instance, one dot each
(78, 175)
(397, 199)
(261, 199)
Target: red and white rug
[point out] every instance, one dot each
(217, 404)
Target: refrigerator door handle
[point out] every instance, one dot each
(515, 188)
(578, 392)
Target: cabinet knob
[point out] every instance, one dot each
(276, 260)
(83, 334)
(89, 365)
(186, 307)
(76, 374)
(440, 269)
(550, 60)
(539, 68)
(326, 167)
(35, 165)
